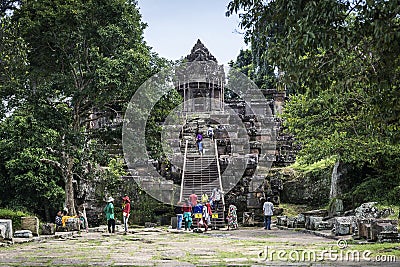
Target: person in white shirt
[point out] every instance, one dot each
(210, 132)
(216, 197)
(268, 210)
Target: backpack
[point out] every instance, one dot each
(198, 208)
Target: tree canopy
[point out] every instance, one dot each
(339, 60)
(65, 66)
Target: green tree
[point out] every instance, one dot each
(85, 60)
(340, 61)
(248, 62)
(13, 65)
(26, 182)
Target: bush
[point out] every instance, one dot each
(15, 216)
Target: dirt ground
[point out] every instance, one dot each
(164, 247)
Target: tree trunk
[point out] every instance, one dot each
(335, 180)
(47, 211)
(69, 187)
(336, 204)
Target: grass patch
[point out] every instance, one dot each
(228, 254)
(94, 242)
(292, 210)
(319, 165)
(258, 242)
(379, 248)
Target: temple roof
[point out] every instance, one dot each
(200, 53)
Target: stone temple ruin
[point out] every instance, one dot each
(205, 104)
(206, 101)
(205, 95)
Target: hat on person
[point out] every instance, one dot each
(110, 199)
(126, 198)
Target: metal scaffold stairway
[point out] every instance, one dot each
(201, 174)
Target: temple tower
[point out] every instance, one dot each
(201, 83)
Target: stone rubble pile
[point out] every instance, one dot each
(367, 222)
(369, 210)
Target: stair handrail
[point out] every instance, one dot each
(183, 172)
(219, 173)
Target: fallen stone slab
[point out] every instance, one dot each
(57, 236)
(23, 234)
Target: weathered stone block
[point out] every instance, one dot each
(73, 224)
(248, 219)
(324, 225)
(30, 223)
(6, 230)
(301, 218)
(149, 225)
(23, 234)
(174, 222)
(281, 220)
(314, 213)
(336, 207)
(314, 222)
(344, 225)
(364, 228)
(291, 222)
(382, 227)
(2, 231)
(48, 229)
(367, 210)
(343, 229)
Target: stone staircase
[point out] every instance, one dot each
(201, 173)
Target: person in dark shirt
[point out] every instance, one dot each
(58, 220)
(199, 141)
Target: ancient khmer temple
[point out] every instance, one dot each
(230, 159)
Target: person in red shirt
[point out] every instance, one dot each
(126, 209)
(187, 215)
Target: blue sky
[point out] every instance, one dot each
(175, 25)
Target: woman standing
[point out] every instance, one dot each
(109, 210)
(232, 217)
(187, 215)
(126, 209)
